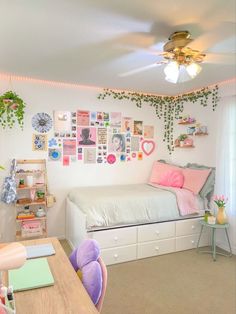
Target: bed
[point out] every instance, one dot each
(133, 221)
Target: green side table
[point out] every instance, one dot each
(213, 240)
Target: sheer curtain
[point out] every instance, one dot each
(226, 165)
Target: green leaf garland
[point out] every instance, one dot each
(167, 108)
(11, 110)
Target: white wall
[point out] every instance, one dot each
(18, 144)
(45, 98)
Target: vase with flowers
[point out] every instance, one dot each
(220, 201)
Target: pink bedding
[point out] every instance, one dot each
(186, 200)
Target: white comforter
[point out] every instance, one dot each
(124, 204)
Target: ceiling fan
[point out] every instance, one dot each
(182, 62)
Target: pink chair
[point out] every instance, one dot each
(104, 284)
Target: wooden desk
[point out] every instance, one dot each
(66, 296)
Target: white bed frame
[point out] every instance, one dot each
(127, 243)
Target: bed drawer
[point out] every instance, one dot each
(190, 242)
(156, 248)
(119, 254)
(185, 227)
(156, 231)
(116, 237)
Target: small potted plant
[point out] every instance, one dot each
(40, 196)
(182, 138)
(21, 183)
(11, 110)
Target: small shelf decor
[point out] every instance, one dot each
(186, 119)
(220, 201)
(31, 206)
(183, 141)
(11, 110)
(200, 130)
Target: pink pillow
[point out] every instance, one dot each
(194, 179)
(172, 178)
(159, 169)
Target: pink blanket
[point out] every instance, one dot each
(186, 200)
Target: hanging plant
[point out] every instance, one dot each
(167, 108)
(11, 110)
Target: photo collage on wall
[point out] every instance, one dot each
(97, 137)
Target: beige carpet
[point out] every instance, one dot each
(178, 283)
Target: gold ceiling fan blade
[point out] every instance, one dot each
(139, 70)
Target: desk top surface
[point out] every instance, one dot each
(67, 295)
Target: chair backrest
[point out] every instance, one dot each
(86, 260)
(104, 284)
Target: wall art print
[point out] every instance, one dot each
(95, 137)
(39, 142)
(116, 143)
(87, 136)
(62, 122)
(42, 122)
(54, 154)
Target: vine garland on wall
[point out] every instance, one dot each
(167, 108)
(11, 110)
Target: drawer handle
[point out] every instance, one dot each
(116, 255)
(193, 227)
(157, 232)
(192, 241)
(115, 238)
(157, 248)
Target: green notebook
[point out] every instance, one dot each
(34, 274)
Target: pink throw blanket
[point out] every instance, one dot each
(186, 200)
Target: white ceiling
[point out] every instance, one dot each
(92, 42)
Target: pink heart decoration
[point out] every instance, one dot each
(148, 147)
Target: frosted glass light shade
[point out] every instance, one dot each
(193, 69)
(172, 72)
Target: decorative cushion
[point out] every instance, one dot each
(84, 260)
(195, 179)
(207, 190)
(73, 259)
(172, 178)
(87, 252)
(159, 169)
(92, 280)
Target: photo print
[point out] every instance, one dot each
(99, 116)
(148, 131)
(39, 142)
(102, 136)
(106, 116)
(116, 143)
(86, 136)
(134, 143)
(90, 155)
(69, 147)
(66, 160)
(115, 119)
(62, 121)
(138, 127)
(127, 124)
(83, 117)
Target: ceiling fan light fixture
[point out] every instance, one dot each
(172, 72)
(193, 69)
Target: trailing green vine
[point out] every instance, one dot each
(167, 108)
(11, 110)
